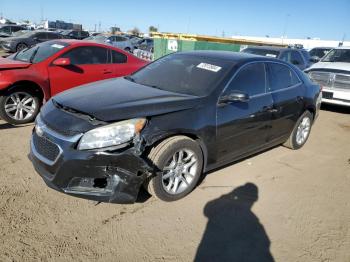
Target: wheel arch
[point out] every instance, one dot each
(192, 136)
(28, 84)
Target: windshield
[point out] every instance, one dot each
(182, 73)
(262, 52)
(319, 52)
(39, 52)
(338, 55)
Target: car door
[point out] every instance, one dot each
(88, 64)
(242, 127)
(120, 64)
(287, 93)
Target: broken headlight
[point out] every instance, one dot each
(111, 135)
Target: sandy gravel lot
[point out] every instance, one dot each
(280, 205)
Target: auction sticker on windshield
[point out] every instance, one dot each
(57, 46)
(209, 67)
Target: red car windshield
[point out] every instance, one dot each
(39, 52)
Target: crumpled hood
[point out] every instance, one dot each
(331, 65)
(117, 99)
(6, 63)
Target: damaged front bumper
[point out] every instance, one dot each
(102, 176)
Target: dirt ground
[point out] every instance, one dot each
(295, 207)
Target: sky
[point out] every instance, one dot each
(328, 20)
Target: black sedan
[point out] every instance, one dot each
(165, 125)
(27, 39)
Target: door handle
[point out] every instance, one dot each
(107, 71)
(270, 109)
(299, 98)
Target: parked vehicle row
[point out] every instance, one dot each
(32, 76)
(297, 57)
(119, 41)
(9, 30)
(164, 125)
(27, 39)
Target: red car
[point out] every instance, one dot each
(32, 76)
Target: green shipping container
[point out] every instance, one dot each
(164, 46)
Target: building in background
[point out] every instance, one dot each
(58, 24)
(306, 43)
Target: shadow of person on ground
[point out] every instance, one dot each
(233, 232)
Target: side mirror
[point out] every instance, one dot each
(234, 97)
(62, 62)
(314, 59)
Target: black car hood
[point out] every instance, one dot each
(117, 99)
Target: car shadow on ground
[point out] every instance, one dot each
(233, 232)
(336, 108)
(9, 126)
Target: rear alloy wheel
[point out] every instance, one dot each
(300, 132)
(179, 164)
(19, 107)
(21, 46)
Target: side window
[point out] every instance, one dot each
(281, 77)
(112, 38)
(6, 29)
(119, 39)
(251, 79)
(118, 58)
(87, 55)
(296, 58)
(41, 36)
(286, 56)
(52, 36)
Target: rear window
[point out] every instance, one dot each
(183, 73)
(281, 77)
(262, 52)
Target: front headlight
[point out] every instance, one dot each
(112, 135)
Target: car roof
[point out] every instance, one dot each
(323, 47)
(229, 56)
(342, 47)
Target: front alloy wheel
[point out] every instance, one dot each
(179, 172)
(19, 107)
(178, 163)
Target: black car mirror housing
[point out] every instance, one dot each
(233, 97)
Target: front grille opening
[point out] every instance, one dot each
(45, 147)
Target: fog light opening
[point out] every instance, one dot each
(100, 183)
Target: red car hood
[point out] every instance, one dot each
(6, 63)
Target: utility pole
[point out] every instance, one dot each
(285, 28)
(41, 12)
(99, 26)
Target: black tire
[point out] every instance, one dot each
(127, 49)
(21, 46)
(292, 140)
(4, 98)
(161, 155)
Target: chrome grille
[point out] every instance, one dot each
(321, 78)
(342, 81)
(331, 80)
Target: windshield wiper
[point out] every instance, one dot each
(130, 78)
